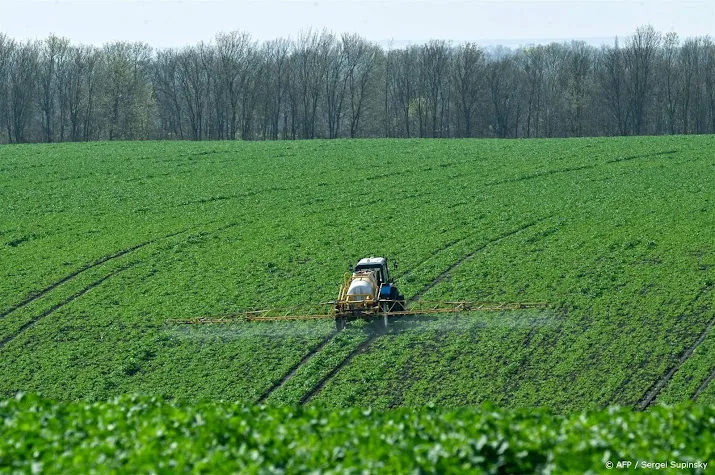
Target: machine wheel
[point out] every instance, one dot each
(340, 323)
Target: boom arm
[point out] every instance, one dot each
(327, 310)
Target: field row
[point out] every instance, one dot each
(102, 244)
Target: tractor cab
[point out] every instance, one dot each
(378, 264)
(388, 292)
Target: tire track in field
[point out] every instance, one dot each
(703, 386)
(26, 326)
(235, 196)
(29, 324)
(32, 297)
(296, 367)
(361, 348)
(539, 175)
(658, 386)
(471, 255)
(364, 346)
(445, 247)
(646, 155)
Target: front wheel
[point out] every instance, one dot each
(340, 323)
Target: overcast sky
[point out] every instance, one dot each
(164, 23)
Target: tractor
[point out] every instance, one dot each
(368, 293)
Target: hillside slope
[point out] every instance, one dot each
(102, 243)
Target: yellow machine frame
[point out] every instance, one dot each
(364, 306)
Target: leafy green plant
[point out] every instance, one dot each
(146, 434)
(102, 243)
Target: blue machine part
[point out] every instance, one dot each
(385, 291)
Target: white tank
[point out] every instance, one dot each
(363, 283)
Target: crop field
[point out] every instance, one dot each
(134, 434)
(102, 243)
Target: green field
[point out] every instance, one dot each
(102, 243)
(145, 435)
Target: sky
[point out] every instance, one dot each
(176, 23)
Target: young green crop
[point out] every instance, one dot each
(102, 243)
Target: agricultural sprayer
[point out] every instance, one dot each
(369, 294)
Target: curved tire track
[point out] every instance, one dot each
(636, 157)
(703, 386)
(362, 347)
(32, 297)
(29, 324)
(309, 356)
(471, 255)
(540, 174)
(296, 367)
(653, 392)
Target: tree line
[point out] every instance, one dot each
(322, 85)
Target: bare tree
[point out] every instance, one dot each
(361, 59)
(389, 111)
(578, 73)
(709, 73)
(612, 79)
(503, 86)
(291, 119)
(670, 73)
(319, 85)
(93, 84)
(193, 78)
(81, 91)
(21, 81)
(640, 55)
(692, 65)
(468, 77)
(250, 95)
(125, 89)
(335, 85)
(52, 84)
(236, 56)
(311, 55)
(167, 91)
(434, 65)
(7, 47)
(555, 83)
(403, 84)
(275, 54)
(534, 64)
